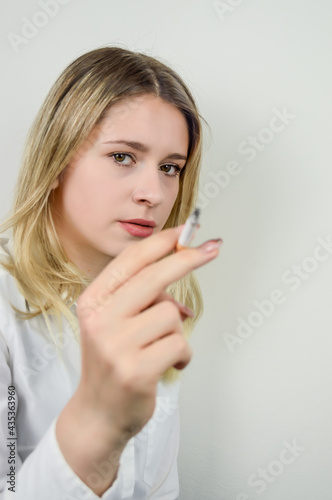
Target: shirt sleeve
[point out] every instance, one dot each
(167, 488)
(45, 474)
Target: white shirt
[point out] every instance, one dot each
(43, 386)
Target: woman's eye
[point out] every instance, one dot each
(176, 167)
(118, 157)
(119, 160)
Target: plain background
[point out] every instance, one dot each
(244, 400)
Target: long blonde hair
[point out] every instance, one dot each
(74, 108)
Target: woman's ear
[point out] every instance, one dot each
(55, 184)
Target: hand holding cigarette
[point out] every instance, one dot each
(131, 332)
(188, 233)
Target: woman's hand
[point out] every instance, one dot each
(132, 331)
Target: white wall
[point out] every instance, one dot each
(243, 400)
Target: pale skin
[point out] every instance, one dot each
(131, 329)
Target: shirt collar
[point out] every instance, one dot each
(6, 243)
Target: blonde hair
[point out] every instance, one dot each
(74, 108)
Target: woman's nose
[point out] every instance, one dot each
(148, 188)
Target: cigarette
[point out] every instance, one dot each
(188, 230)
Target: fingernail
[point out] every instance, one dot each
(186, 310)
(210, 245)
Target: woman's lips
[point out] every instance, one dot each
(137, 229)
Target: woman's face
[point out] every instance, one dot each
(108, 182)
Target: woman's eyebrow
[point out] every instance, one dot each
(144, 149)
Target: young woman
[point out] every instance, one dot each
(92, 333)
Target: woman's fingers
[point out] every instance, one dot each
(130, 261)
(165, 314)
(143, 288)
(152, 324)
(170, 350)
(139, 257)
(183, 309)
